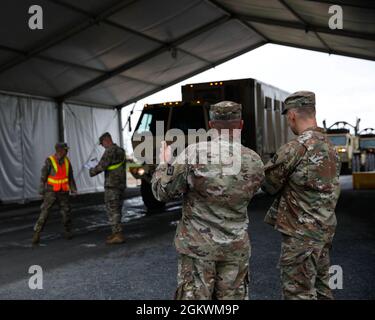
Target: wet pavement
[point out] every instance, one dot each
(145, 266)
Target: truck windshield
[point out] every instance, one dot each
(147, 121)
(338, 140)
(363, 144)
(188, 117)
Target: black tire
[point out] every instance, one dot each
(151, 203)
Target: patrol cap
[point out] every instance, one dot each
(299, 99)
(61, 145)
(225, 110)
(103, 136)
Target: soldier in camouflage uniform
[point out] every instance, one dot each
(113, 164)
(56, 182)
(212, 238)
(304, 174)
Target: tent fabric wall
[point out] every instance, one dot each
(11, 172)
(83, 126)
(27, 135)
(39, 135)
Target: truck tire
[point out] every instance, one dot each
(151, 203)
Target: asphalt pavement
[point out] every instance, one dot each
(145, 266)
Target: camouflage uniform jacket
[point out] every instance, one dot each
(304, 173)
(214, 213)
(46, 171)
(113, 178)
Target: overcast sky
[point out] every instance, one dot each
(344, 87)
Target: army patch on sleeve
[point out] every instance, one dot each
(170, 170)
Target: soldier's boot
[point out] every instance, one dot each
(36, 238)
(68, 235)
(116, 238)
(109, 238)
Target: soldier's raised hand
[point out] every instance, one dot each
(165, 154)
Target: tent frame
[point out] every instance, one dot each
(228, 15)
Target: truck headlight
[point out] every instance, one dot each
(341, 149)
(137, 171)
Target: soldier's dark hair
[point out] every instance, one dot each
(226, 124)
(104, 136)
(305, 112)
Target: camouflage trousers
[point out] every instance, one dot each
(304, 267)
(113, 198)
(206, 280)
(49, 199)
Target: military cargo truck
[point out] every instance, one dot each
(364, 155)
(264, 131)
(344, 142)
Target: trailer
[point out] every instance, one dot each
(265, 128)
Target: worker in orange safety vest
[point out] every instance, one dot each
(56, 184)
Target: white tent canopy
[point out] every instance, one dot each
(112, 52)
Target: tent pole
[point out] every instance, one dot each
(120, 126)
(122, 141)
(60, 121)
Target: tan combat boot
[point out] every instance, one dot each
(115, 238)
(109, 238)
(36, 238)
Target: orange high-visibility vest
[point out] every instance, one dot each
(60, 179)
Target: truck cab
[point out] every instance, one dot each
(343, 145)
(157, 119)
(344, 142)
